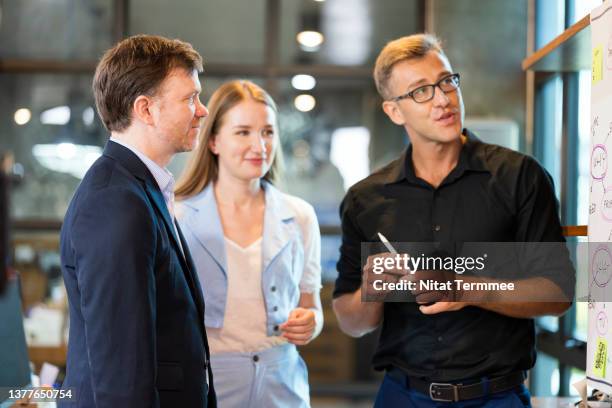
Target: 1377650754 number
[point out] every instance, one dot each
(38, 394)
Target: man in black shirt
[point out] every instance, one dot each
(447, 187)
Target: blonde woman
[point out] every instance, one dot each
(257, 250)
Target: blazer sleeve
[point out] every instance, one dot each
(311, 235)
(114, 241)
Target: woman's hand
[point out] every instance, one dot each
(299, 327)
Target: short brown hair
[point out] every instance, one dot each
(404, 48)
(203, 166)
(133, 67)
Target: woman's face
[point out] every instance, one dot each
(246, 141)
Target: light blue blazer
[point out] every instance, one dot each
(282, 257)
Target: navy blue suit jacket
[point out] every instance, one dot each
(137, 336)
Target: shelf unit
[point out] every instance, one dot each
(568, 52)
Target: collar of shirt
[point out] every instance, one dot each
(467, 162)
(162, 176)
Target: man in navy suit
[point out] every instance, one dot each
(137, 336)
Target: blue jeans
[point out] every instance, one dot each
(392, 394)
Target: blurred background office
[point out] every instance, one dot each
(316, 59)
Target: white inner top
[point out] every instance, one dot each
(244, 325)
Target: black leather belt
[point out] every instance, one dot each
(453, 392)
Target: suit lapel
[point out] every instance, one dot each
(205, 224)
(136, 167)
(278, 230)
(157, 198)
(193, 279)
(201, 304)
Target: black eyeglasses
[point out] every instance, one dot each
(426, 93)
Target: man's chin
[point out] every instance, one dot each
(447, 138)
(187, 147)
(450, 135)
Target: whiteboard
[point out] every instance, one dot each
(599, 365)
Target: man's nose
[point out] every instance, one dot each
(440, 97)
(201, 110)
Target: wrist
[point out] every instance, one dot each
(316, 330)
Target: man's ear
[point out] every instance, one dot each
(393, 112)
(143, 109)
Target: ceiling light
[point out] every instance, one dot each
(303, 82)
(310, 40)
(304, 102)
(22, 116)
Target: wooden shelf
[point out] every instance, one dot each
(575, 231)
(569, 52)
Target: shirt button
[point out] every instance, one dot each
(440, 338)
(275, 308)
(255, 358)
(273, 288)
(436, 228)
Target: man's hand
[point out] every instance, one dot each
(432, 286)
(299, 327)
(388, 276)
(436, 291)
(440, 307)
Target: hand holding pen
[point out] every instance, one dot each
(389, 275)
(424, 296)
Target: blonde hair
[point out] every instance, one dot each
(404, 48)
(203, 166)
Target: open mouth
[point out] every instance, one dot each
(447, 118)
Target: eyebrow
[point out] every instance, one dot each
(248, 126)
(192, 93)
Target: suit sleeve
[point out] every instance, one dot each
(114, 242)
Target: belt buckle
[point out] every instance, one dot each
(444, 385)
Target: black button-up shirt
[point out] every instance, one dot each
(492, 195)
